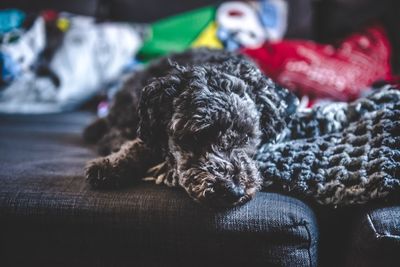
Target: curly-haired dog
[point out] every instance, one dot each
(122, 121)
(200, 123)
(214, 125)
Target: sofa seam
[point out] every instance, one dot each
(309, 244)
(309, 237)
(380, 236)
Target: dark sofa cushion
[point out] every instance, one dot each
(49, 216)
(375, 240)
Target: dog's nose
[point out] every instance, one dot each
(227, 193)
(233, 194)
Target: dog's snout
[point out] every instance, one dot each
(230, 192)
(233, 194)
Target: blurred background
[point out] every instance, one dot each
(58, 56)
(62, 56)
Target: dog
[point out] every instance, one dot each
(210, 122)
(193, 120)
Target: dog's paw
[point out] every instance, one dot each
(101, 174)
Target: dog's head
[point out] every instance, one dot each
(209, 118)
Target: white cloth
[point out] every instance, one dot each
(91, 55)
(25, 50)
(251, 23)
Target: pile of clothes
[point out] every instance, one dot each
(231, 25)
(58, 61)
(316, 72)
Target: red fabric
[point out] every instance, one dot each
(324, 71)
(49, 15)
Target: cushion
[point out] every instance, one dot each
(375, 240)
(50, 216)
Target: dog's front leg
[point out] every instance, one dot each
(117, 169)
(163, 173)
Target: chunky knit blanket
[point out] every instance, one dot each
(339, 153)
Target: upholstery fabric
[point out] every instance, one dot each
(375, 240)
(50, 216)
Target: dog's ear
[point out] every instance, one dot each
(199, 113)
(275, 104)
(156, 107)
(278, 104)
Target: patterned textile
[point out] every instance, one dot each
(339, 154)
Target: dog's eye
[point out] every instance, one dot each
(220, 169)
(205, 135)
(196, 141)
(246, 139)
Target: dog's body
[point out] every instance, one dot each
(122, 122)
(204, 119)
(200, 122)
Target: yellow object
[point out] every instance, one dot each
(208, 37)
(63, 24)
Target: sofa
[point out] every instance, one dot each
(49, 216)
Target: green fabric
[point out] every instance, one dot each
(176, 33)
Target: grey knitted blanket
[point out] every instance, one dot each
(339, 153)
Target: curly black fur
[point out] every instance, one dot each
(202, 120)
(213, 124)
(122, 121)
